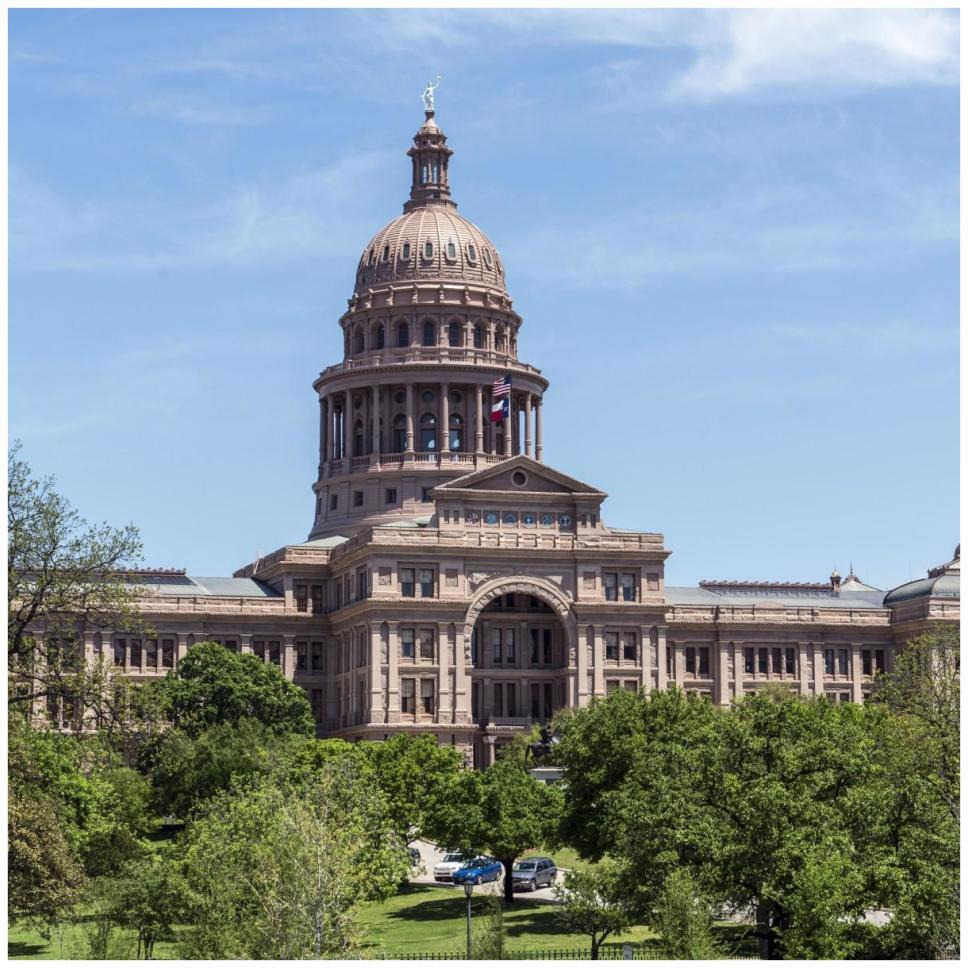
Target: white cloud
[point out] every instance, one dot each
(770, 49)
(315, 213)
(198, 111)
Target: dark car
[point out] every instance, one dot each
(533, 872)
(479, 870)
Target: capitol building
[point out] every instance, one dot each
(452, 582)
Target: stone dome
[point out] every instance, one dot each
(427, 243)
(430, 241)
(942, 582)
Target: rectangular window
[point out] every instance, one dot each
(151, 653)
(868, 662)
(764, 659)
(407, 700)
(791, 662)
(631, 685)
(119, 651)
(535, 635)
(535, 701)
(611, 646)
(879, 665)
(670, 660)
(844, 696)
(361, 583)
(316, 702)
(259, 649)
(497, 646)
(426, 637)
(610, 580)
(690, 659)
(333, 501)
(611, 686)
(512, 699)
(274, 653)
(509, 650)
(425, 495)
(390, 495)
(549, 701)
(427, 696)
(357, 499)
(301, 656)
(302, 599)
(749, 661)
(136, 653)
(842, 665)
(703, 656)
(407, 585)
(406, 643)
(426, 583)
(168, 653)
(317, 595)
(316, 656)
(628, 586)
(475, 702)
(777, 656)
(828, 662)
(629, 647)
(546, 646)
(498, 702)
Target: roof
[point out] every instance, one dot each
(942, 582)
(783, 596)
(182, 584)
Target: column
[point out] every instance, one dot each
(323, 436)
(739, 668)
(181, 647)
(598, 663)
(409, 448)
(245, 645)
(444, 698)
(722, 672)
(331, 427)
(375, 429)
(288, 655)
(581, 655)
(679, 653)
(478, 420)
(645, 659)
(856, 671)
(537, 429)
(818, 668)
(527, 425)
(348, 421)
(661, 672)
(507, 430)
(462, 691)
(443, 434)
(376, 683)
(393, 674)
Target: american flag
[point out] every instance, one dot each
(501, 387)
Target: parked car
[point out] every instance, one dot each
(479, 870)
(534, 872)
(453, 861)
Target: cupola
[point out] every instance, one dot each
(430, 155)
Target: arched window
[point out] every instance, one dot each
(372, 257)
(405, 252)
(428, 432)
(399, 441)
(499, 340)
(423, 175)
(453, 334)
(478, 337)
(403, 334)
(346, 344)
(456, 442)
(358, 340)
(358, 439)
(429, 334)
(451, 250)
(471, 253)
(487, 258)
(381, 337)
(386, 253)
(428, 249)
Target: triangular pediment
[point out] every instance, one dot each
(505, 477)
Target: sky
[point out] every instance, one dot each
(732, 235)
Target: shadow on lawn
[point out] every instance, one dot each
(25, 949)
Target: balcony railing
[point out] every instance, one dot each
(396, 460)
(429, 354)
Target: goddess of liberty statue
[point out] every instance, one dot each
(428, 94)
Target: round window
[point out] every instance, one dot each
(427, 396)
(400, 396)
(519, 478)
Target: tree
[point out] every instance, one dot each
(684, 921)
(281, 870)
(746, 800)
(149, 896)
(213, 686)
(502, 811)
(593, 902)
(410, 771)
(65, 576)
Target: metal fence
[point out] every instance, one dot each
(611, 953)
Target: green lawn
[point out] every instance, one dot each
(432, 920)
(69, 942)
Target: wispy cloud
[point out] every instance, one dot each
(310, 213)
(199, 111)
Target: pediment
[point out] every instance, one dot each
(504, 478)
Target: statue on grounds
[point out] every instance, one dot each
(428, 94)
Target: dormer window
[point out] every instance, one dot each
(451, 251)
(405, 252)
(386, 253)
(487, 258)
(372, 258)
(471, 253)
(428, 251)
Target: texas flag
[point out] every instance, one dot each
(501, 398)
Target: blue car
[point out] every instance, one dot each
(479, 870)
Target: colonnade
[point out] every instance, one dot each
(375, 421)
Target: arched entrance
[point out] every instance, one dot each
(521, 636)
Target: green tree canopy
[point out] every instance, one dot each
(502, 811)
(594, 902)
(213, 686)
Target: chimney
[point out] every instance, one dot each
(835, 580)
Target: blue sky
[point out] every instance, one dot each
(733, 237)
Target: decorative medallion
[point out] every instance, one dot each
(528, 519)
(490, 517)
(510, 517)
(564, 520)
(472, 517)
(547, 520)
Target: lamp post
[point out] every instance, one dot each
(468, 891)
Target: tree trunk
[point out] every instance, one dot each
(508, 863)
(596, 942)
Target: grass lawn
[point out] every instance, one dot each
(564, 857)
(70, 942)
(432, 920)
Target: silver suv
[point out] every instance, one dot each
(534, 872)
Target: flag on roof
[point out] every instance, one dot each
(501, 398)
(500, 409)
(501, 387)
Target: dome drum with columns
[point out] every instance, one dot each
(428, 329)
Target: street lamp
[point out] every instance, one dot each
(468, 891)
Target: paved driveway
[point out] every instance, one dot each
(430, 855)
